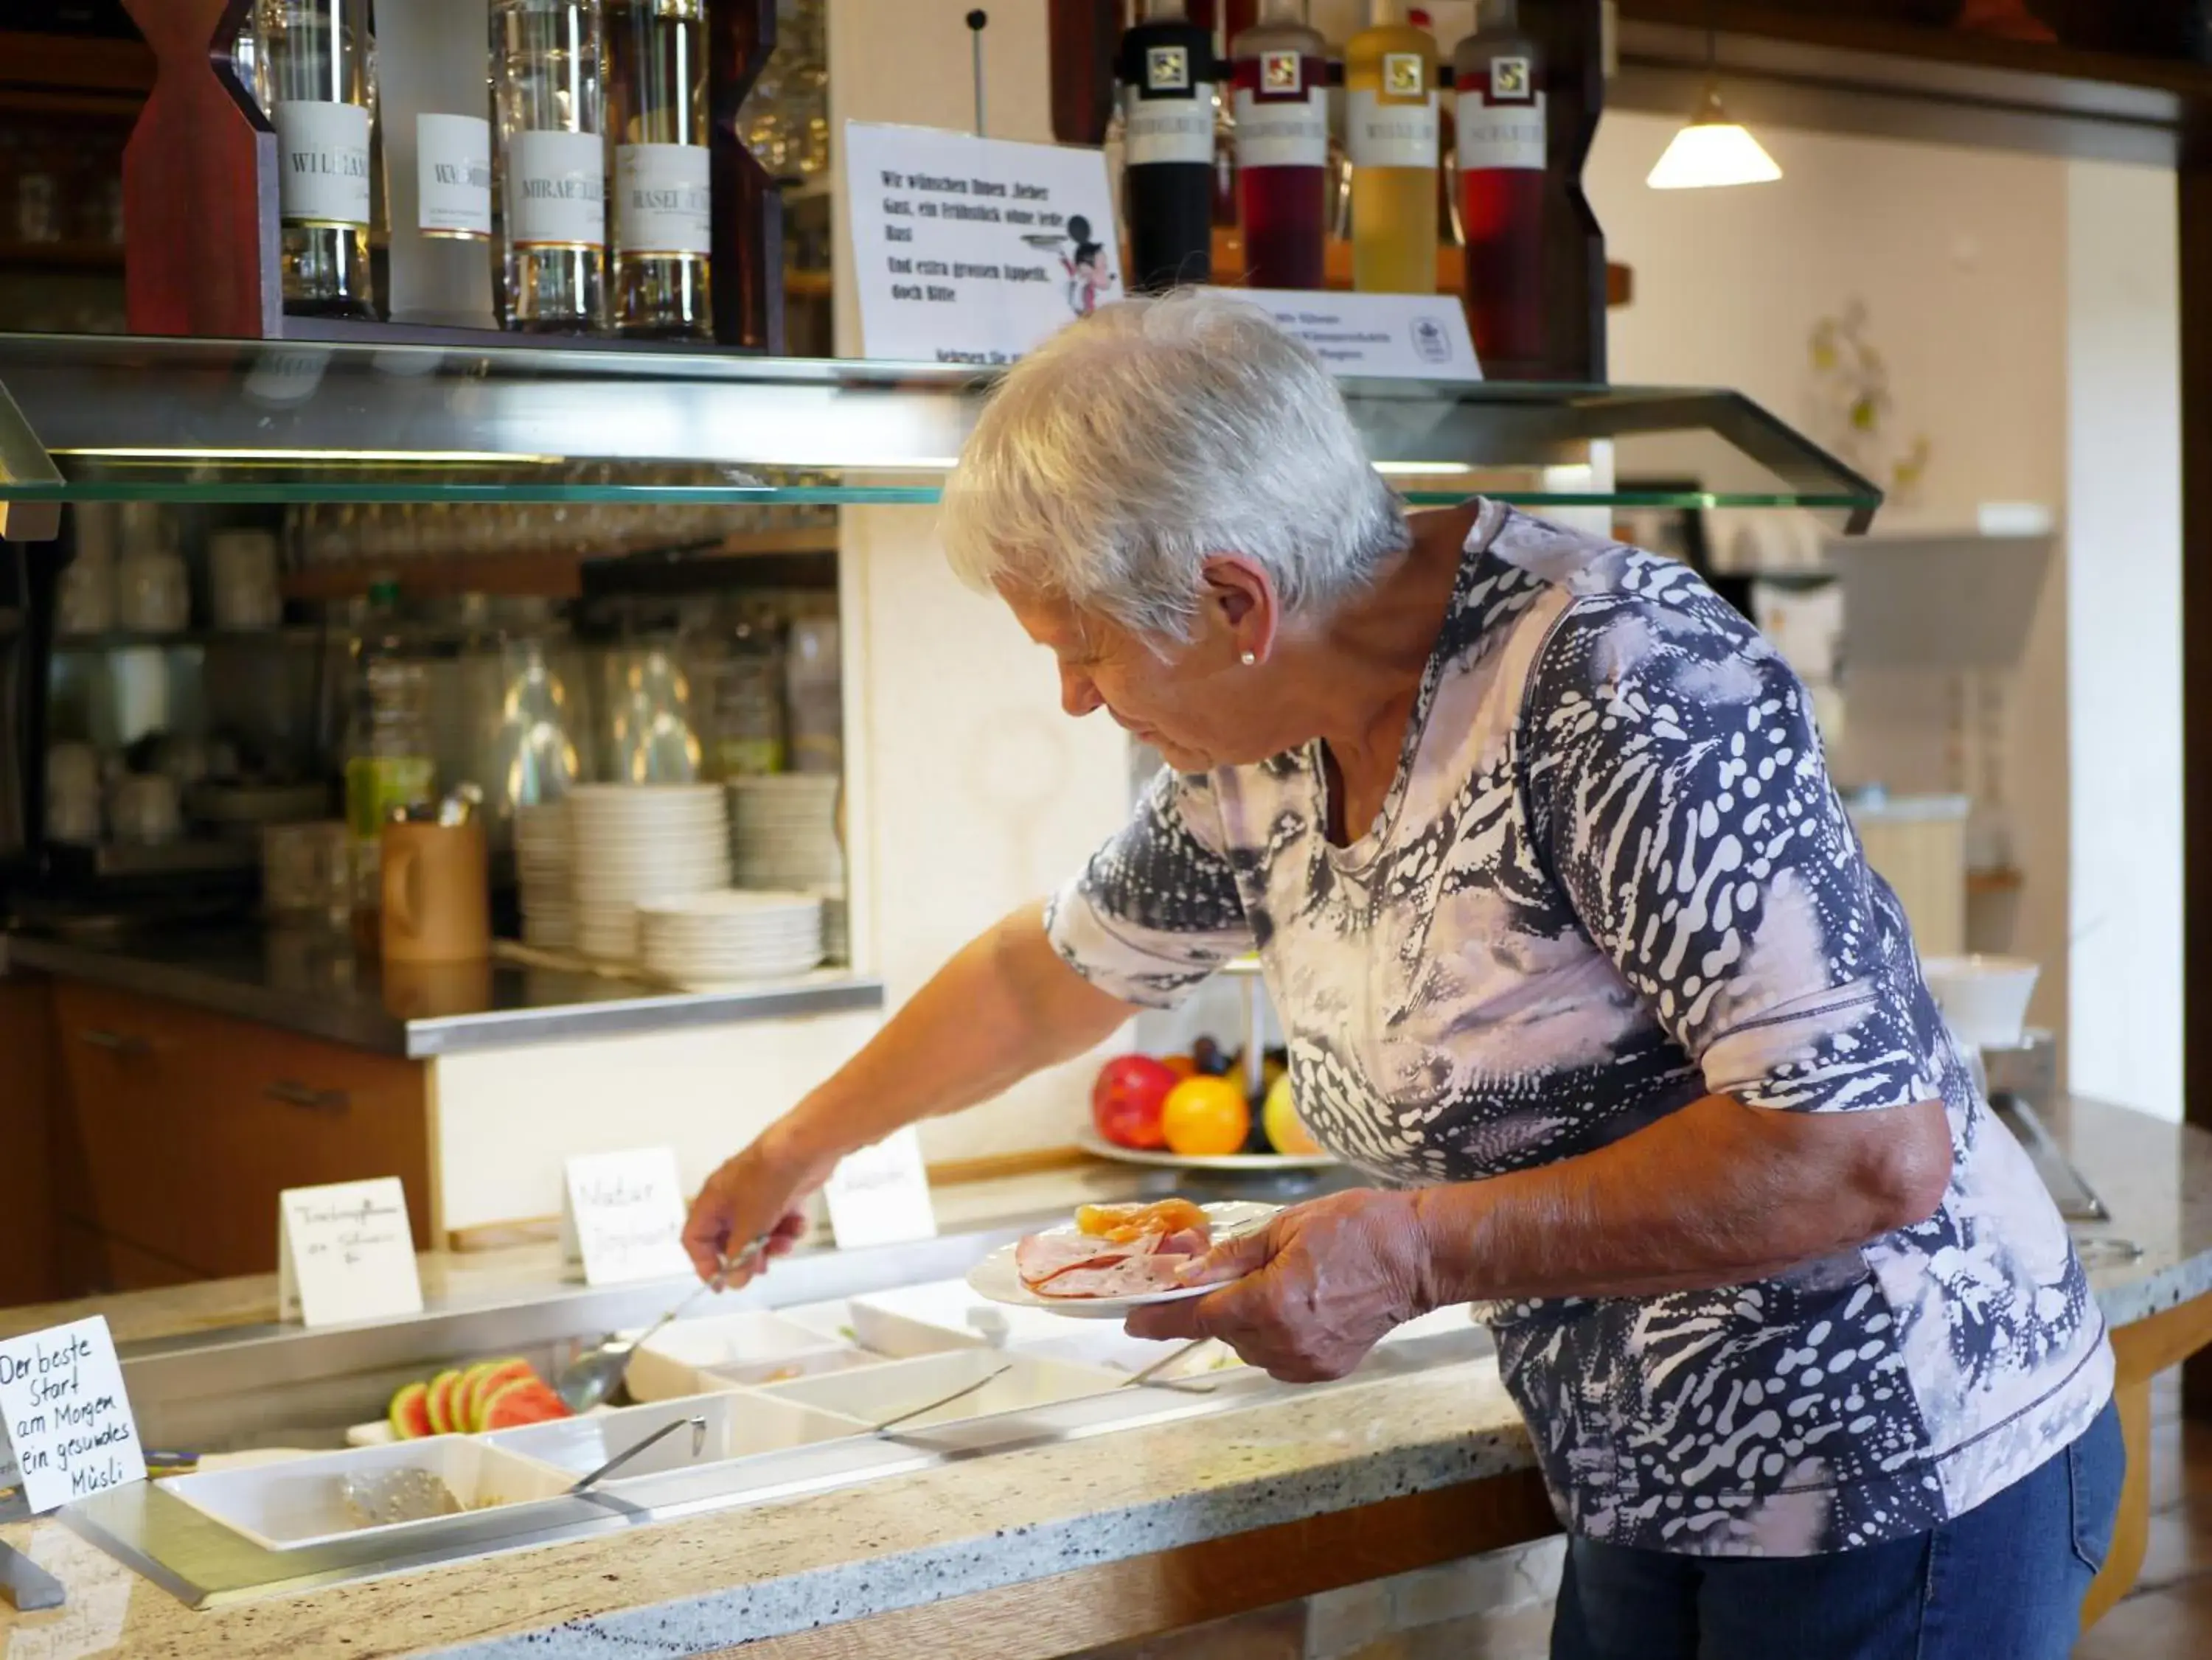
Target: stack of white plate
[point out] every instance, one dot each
(639, 842)
(544, 869)
(783, 832)
(711, 939)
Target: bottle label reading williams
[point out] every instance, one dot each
(1384, 134)
(322, 153)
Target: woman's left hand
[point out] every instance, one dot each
(1314, 1290)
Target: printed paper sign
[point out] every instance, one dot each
(880, 1195)
(623, 1216)
(345, 1252)
(1396, 336)
(68, 1419)
(975, 249)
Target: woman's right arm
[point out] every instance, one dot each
(1003, 1008)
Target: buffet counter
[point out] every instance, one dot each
(1093, 1535)
(318, 987)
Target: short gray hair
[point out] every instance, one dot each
(1116, 459)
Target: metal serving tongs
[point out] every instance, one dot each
(959, 1394)
(591, 1376)
(698, 1440)
(1150, 1374)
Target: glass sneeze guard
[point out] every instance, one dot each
(122, 418)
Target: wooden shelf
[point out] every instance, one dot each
(79, 257)
(1451, 267)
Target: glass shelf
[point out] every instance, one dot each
(108, 418)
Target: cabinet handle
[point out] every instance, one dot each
(115, 1043)
(315, 1100)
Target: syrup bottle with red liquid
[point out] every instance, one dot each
(1498, 78)
(1279, 74)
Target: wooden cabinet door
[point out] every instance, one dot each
(284, 1110)
(183, 1127)
(130, 1164)
(29, 1111)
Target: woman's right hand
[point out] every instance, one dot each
(756, 1193)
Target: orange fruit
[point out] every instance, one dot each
(1182, 1065)
(1286, 1131)
(1204, 1118)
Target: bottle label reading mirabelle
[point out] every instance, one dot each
(322, 163)
(453, 175)
(664, 200)
(1381, 134)
(557, 189)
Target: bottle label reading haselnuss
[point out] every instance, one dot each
(453, 175)
(322, 163)
(1379, 134)
(1501, 122)
(557, 189)
(663, 201)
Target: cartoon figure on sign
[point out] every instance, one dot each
(1081, 264)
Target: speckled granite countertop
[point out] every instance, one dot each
(695, 1585)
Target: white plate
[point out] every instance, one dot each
(997, 1278)
(1099, 1148)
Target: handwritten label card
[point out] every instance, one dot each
(880, 1195)
(975, 249)
(345, 1252)
(623, 1216)
(68, 1419)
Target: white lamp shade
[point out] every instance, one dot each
(1707, 153)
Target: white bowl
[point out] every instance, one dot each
(291, 1506)
(723, 1351)
(736, 1428)
(1984, 999)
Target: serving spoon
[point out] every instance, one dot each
(591, 1376)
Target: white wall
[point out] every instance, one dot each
(971, 793)
(2124, 613)
(1960, 257)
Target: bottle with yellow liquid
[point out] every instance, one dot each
(1391, 124)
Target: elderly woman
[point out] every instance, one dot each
(1579, 961)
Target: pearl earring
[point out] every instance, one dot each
(1249, 658)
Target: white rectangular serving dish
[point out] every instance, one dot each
(878, 1392)
(730, 1351)
(951, 1314)
(738, 1427)
(298, 1505)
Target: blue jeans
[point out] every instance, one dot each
(2006, 1579)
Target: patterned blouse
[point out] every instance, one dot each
(1611, 877)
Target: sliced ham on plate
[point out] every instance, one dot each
(1074, 1263)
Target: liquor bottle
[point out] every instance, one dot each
(1498, 76)
(309, 67)
(663, 217)
(1167, 76)
(1390, 82)
(551, 122)
(1279, 78)
(432, 95)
